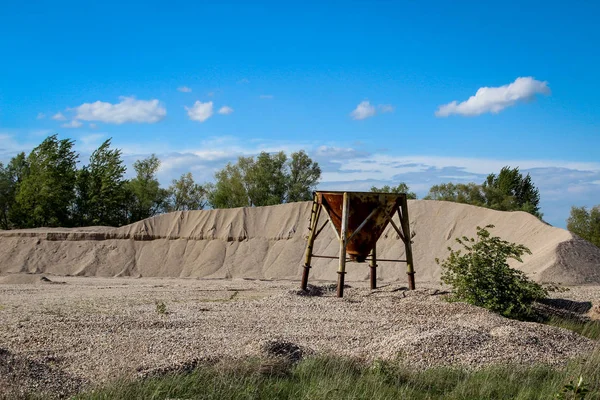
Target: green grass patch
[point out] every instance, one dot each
(336, 378)
(589, 329)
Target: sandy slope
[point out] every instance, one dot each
(269, 242)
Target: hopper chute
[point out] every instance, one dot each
(359, 219)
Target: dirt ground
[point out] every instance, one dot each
(62, 334)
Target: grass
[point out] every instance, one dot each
(589, 329)
(336, 378)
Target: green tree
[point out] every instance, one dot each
(82, 211)
(185, 194)
(229, 190)
(107, 186)
(511, 191)
(6, 197)
(507, 191)
(401, 188)
(15, 172)
(146, 197)
(46, 194)
(267, 180)
(470, 193)
(304, 174)
(481, 275)
(585, 223)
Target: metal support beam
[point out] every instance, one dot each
(398, 231)
(410, 267)
(314, 219)
(373, 267)
(343, 243)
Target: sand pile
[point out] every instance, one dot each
(269, 243)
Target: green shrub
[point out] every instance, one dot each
(480, 275)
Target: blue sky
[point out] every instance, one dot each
(367, 88)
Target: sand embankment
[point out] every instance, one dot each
(269, 243)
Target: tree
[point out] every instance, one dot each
(81, 209)
(146, 197)
(46, 194)
(229, 190)
(267, 180)
(481, 275)
(185, 194)
(510, 191)
(303, 177)
(507, 191)
(101, 188)
(401, 188)
(107, 185)
(470, 193)
(585, 223)
(6, 197)
(15, 172)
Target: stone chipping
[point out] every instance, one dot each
(89, 331)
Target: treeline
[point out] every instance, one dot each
(507, 191)
(46, 187)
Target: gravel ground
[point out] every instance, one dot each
(59, 338)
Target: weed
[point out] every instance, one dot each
(161, 307)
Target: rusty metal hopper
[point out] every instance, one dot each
(369, 213)
(359, 219)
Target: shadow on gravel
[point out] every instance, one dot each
(562, 308)
(323, 290)
(578, 307)
(22, 378)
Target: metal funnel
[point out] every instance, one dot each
(359, 219)
(369, 213)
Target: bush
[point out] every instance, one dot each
(480, 275)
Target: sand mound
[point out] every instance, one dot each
(269, 242)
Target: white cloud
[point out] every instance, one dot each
(59, 117)
(72, 124)
(338, 153)
(266, 96)
(225, 110)
(386, 108)
(200, 111)
(363, 110)
(184, 89)
(93, 126)
(127, 110)
(385, 167)
(495, 99)
(243, 81)
(41, 116)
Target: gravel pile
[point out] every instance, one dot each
(19, 375)
(95, 330)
